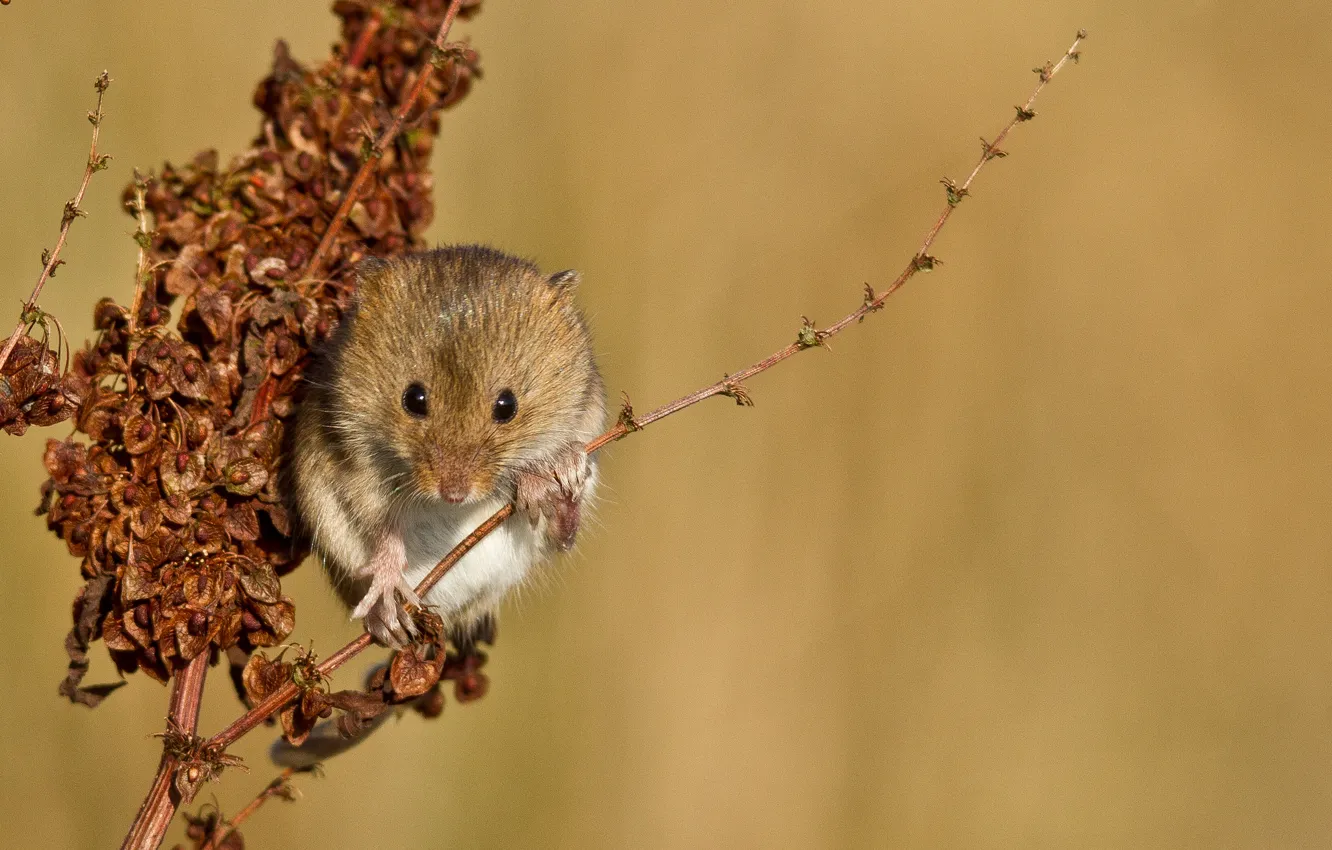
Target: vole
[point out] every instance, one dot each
(460, 379)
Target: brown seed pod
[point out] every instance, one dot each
(169, 490)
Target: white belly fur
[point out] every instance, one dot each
(485, 574)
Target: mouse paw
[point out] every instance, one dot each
(384, 605)
(554, 491)
(387, 619)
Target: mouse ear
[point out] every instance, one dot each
(566, 279)
(367, 270)
(371, 267)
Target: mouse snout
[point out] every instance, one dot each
(457, 477)
(453, 494)
(454, 488)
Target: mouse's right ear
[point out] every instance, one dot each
(369, 269)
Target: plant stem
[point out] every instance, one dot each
(72, 211)
(731, 385)
(159, 807)
(381, 145)
(225, 828)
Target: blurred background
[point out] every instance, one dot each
(1037, 557)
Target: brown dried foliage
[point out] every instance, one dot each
(172, 501)
(169, 489)
(32, 389)
(412, 677)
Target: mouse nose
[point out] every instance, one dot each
(455, 481)
(452, 494)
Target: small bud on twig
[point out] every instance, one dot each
(809, 336)
(737, 391)
(870, 304)
(991, 151)
(925, 262)
(627, 414)
(955, 192)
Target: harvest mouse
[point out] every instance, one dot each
(461, 379)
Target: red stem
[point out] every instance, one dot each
(159, 807)
(225, 828)
(380, 146)
(72, 212)
(730, 385)
(368, 32)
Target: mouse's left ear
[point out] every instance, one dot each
(567, 279)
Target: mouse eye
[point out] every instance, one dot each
(506, 407)
(414, 400)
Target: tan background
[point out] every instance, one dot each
(1039, 557)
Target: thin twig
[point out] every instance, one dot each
(72, 211)
(159, 807)
(144, 239)
(288, 691)
(810, 337)
(368, 31)
(730, 385)
(279, 787)
(142, 278)
(381, 145)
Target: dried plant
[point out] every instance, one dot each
(171, 496)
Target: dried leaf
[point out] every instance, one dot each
(214, 309)
(182, 278)
(261, 584)
(90, 606)
(180, 471)
(359, 710)
(146, 521)
(262, 677)
(242, 523)
(136, 584)
(277, 622)
(190, 643)
(190, 377)
(245, 476)
(296, 725)
(411, 675)
(139, 434)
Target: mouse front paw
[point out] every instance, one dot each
(554, 491)
(387, 619)
(384, 605)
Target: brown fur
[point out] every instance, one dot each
(465, 322)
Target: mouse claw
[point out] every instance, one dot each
(572, 473)
(384, 609)
(554, 492)
(408, 593)
(381, 630)
(390, 624)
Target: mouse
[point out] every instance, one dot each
(459, 379)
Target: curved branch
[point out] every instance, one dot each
(730, 385)
(385, 138)
(96, 162)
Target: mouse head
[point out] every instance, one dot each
(457, 368)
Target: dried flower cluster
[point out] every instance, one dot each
(412, 676)
(172, 501)
(33, 390)
(172, 496)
